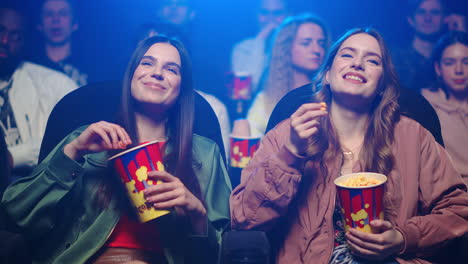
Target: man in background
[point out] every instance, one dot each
(57, 24)
(177, 12)
(429, 20)
(28, 92)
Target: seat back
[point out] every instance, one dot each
(412, 105)
(248, 247)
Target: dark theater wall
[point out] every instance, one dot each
(107, 30)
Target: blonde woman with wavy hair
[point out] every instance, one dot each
(298, 49)
(353, 124)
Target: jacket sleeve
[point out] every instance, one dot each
(443, 201)
(268, 184)
(35, 202)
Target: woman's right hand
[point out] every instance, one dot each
(304, 125)
(97, 137)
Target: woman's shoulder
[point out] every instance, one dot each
(406, 124)
(409, 132)
(208, 162)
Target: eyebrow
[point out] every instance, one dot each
(170, 63)
(368, 53)
(309, 38)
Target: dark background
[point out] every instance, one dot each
(107, 33)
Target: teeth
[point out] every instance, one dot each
(353, 77)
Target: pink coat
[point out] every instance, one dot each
(430, 198)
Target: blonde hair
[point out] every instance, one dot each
(278, 77)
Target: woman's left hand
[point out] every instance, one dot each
(386, 242)
(170, 193)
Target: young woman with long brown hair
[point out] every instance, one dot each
(72, 204)
(449, 96)
(288, 188)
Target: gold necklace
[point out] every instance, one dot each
(348, 154)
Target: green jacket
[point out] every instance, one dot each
(56, 209)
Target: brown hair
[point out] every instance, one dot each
(178, 160)
(180, 122)
(377, 147)
(447, 40)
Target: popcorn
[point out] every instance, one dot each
(323, 106)
(360, 181)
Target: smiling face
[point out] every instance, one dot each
(157, 79)
(308, 48)
(356, 70)
(57, 22)
(453, 68)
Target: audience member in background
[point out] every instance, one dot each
(428, 20)
(154, 28)
(450, 96)
(249, 55)
(158, 28)
(57, 24)
(71, 206)
(177, 12)
(28, 92)
(288, 187)
(297, 52)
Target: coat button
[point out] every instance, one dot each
(74, 174)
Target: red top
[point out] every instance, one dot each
(133, 234)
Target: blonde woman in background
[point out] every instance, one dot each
(297, 52)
